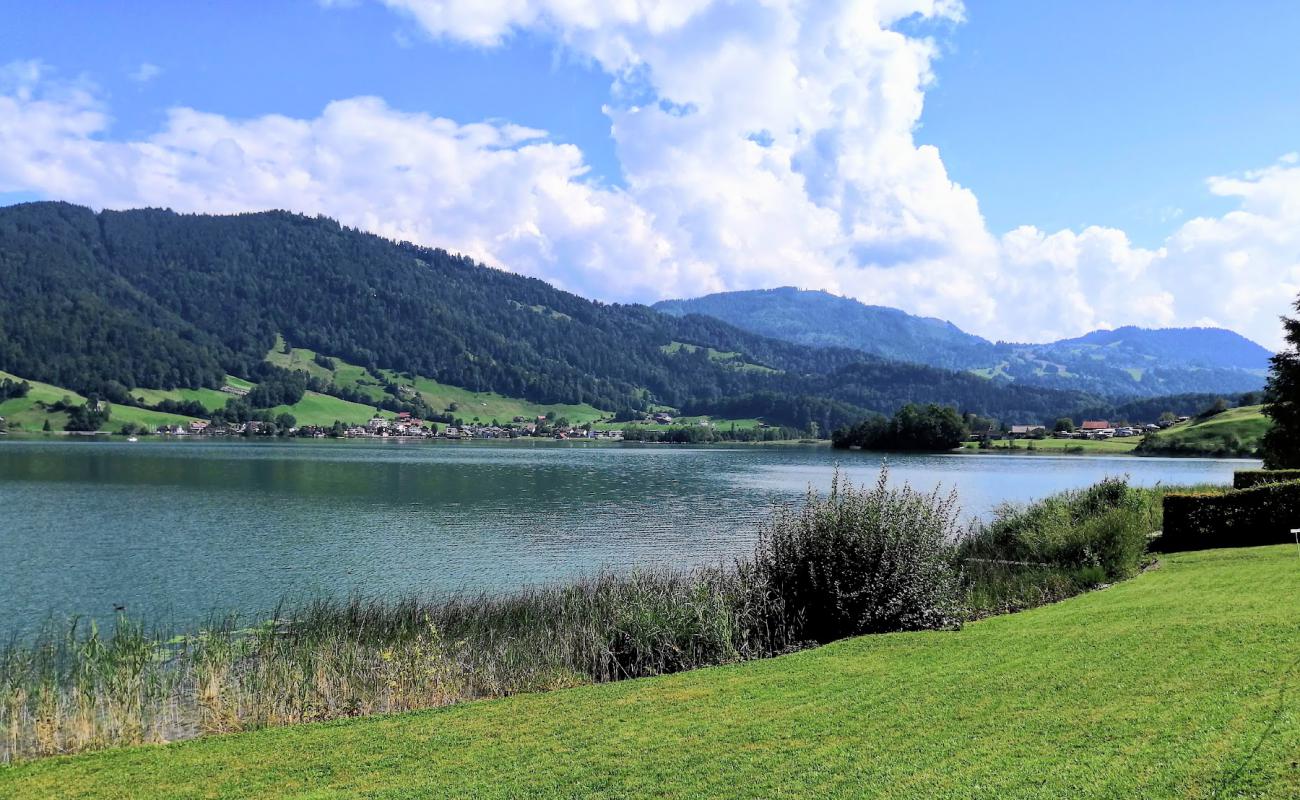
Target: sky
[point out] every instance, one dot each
(1027, 170)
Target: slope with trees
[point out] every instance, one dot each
(123, 300)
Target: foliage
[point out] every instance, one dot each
(860, 561)
(1250, 478)
(89, 416)
(1099, 533)
(10, 389)
(1281, 445)
(149, 298)
(931, 427)
(185, 408)
(1263, 514)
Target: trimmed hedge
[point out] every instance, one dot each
(1249, 478)
(1262, 515)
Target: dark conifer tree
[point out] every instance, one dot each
(1282, 402)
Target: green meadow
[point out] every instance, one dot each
(1058, 446)
(1178, 683)
(30, 413)
(1237, 429)
(465, 404)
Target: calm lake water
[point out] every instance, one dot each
(176, 530)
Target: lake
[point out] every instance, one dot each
(176, 530)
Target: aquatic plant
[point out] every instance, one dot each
(857, 560)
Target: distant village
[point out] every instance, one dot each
(1092, 429)
(405, 426)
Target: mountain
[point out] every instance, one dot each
(1126, 362)
(821, 319)
(108, 303)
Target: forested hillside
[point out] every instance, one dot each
(1125, 362)
(103, 303)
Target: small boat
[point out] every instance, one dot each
(133, 438)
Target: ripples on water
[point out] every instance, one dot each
(175, 530)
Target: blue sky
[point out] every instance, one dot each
(1113, 113)
(1053, 146)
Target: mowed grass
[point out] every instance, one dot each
(1174, 684)
(1058, 446)
(25, 414)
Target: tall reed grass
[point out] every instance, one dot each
(857, 560)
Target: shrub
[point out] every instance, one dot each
(1105, 525)
(1250, 478)
(1262, 515)
(861, 560)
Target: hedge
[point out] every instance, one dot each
(1262, 515)
(1248, 478)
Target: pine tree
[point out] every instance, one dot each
(1282, 402)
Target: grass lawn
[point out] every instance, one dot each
(1058, 446)
(1174, 684)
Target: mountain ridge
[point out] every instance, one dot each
(1128, 361)
(113, 301)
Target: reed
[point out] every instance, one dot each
(853, 561)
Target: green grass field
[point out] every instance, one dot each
(1179, 683)
(485, 406)
(1059, 446)
(322, 409)
(24, 413)
(212, 399)
(1233, 429)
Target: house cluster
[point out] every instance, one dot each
(404, 425)
(1094, 429)
(1097, 429)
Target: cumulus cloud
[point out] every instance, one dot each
(762, 144)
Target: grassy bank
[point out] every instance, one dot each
(1170, 685)
(857, 560)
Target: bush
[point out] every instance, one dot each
(1104, 526)
(1262, 515)
(861, 561)
(1250, 478)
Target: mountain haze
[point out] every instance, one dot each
(1125, 362)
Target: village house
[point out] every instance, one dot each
(1026, 431)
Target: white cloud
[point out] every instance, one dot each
(762, 143)
(145, 72)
